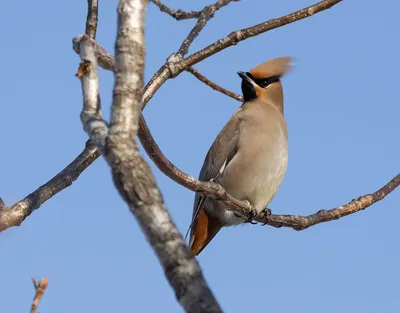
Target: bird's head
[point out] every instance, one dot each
(264, 81)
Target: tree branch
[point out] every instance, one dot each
(205, 15)
(322, 216)
(132, 175)
(214, 86)
(237, 36)
(104, 59)
(179, 15)
(91, 117)
(92, 18)
(39, 292)
(16, 214)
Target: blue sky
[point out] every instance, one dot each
(341, 106)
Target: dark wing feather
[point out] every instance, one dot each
(220, 154)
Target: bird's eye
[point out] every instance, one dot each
(263, 83)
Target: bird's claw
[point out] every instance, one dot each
(252, 214)
(266, 212)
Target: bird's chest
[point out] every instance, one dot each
(263, 169)
(267, 173)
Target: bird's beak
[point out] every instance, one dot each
(244, 76)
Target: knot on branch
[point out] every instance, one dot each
(237, 36)
(75, 43)
(172, 61)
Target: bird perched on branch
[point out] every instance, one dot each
(249, 156)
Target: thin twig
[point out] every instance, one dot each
(176, 14)
(214, 86)
(92, 18)
(322, 216)
(39, 292)
(205, 15)
(16, 214)
(243, 34)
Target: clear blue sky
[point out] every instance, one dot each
(342, 110)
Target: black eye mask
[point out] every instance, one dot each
(264, 82)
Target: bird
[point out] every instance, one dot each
(249, 156)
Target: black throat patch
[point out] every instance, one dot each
(248, 90)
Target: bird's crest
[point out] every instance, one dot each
(275, 67)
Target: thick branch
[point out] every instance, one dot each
(214, 86)
(131, 174)
(92, 18)
(176, 14)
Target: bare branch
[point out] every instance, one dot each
(243, 34)
(91, 118)
(214, 86)
(175, 65)
(17, 213)
(205, 15)
(132, 175)
(322, 216)
(176, 14)
(92, 18)
(39, 292)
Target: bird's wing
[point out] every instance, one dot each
(222, 151)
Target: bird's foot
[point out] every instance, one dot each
(265, 213)
(247, 219)
(252, 214)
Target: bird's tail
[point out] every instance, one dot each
(204, 229)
